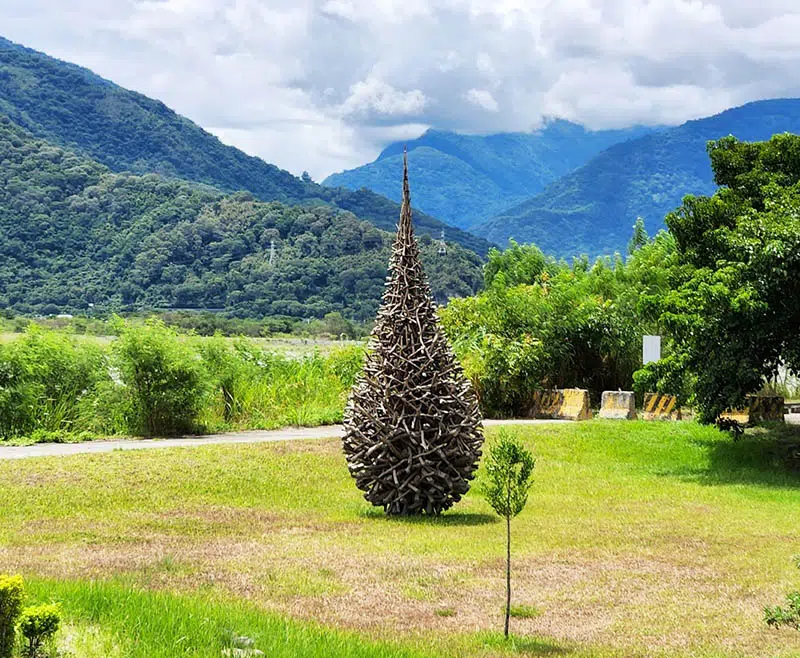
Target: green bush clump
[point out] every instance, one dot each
(254, 388)
(785, 616)
(164, 380)
(11, 592)
(541, 323)
(38, 625)
(44, 378)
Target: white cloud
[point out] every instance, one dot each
(324, 84)
(374, 96)
(482, 98)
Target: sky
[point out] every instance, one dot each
(324, 85)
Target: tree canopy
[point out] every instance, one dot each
(72, 234)
(736, 312)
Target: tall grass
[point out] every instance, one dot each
(146, 624)
(253, 388)
(153, 382)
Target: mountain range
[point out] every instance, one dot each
(74, 108)
(463, 179)
(593, 209)
(568, 190)
(109, 200)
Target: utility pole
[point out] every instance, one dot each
(442, 245)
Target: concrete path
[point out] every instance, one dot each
(254, 436)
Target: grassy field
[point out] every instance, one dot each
(639, 539)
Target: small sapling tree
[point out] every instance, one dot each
(509, 471)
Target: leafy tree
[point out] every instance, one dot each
(509, 472)
(736, 307)
(639, 238)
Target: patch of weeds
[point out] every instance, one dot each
(522, 611)
(520, 645)
(288, 583)
(445, 612)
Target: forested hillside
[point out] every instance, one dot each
(126, 131)
(464, 179)
(593, 209)
(72, 233)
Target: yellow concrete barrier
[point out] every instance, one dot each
(659, 406)
(618, 405)
(759, 408)
(575, 405)
(765, 407)
(546, 404)
(562, 404)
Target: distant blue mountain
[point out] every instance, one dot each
(592, 210)
(465, 179)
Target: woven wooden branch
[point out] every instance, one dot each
(413, 431)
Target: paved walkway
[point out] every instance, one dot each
(255, 436)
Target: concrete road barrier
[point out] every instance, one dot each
(759, 408)
(659, 406)
(618, 405)
(546, 404)
(575, 405)
(562, 404)
(765, 407)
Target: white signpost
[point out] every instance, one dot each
(651, 348)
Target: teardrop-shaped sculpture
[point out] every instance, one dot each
(413, 431)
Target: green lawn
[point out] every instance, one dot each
(639, 539)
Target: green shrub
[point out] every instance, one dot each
(44, 376)
(11, 593)
(230, 365)
(164, 379)
(788, 616)
(38, 625)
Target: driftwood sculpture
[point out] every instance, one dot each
(413, 430)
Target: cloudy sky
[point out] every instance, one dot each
(323, 85)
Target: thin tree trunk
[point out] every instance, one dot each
(508, 572)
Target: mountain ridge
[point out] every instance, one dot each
(592, 209)
(75, 108)
(464, 178)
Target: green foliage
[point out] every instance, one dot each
(591, 209)
(153, 381)
(12, 591)
(45, 378)
(639, 238)
(126, 131)
(523, 611)
(464, 179)
(541, 323)
(164, 381)
(785, 616)
(509, 471)
(74, 235)
(38, 625)
(736, 306)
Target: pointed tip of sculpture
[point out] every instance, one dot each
(405, 210)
